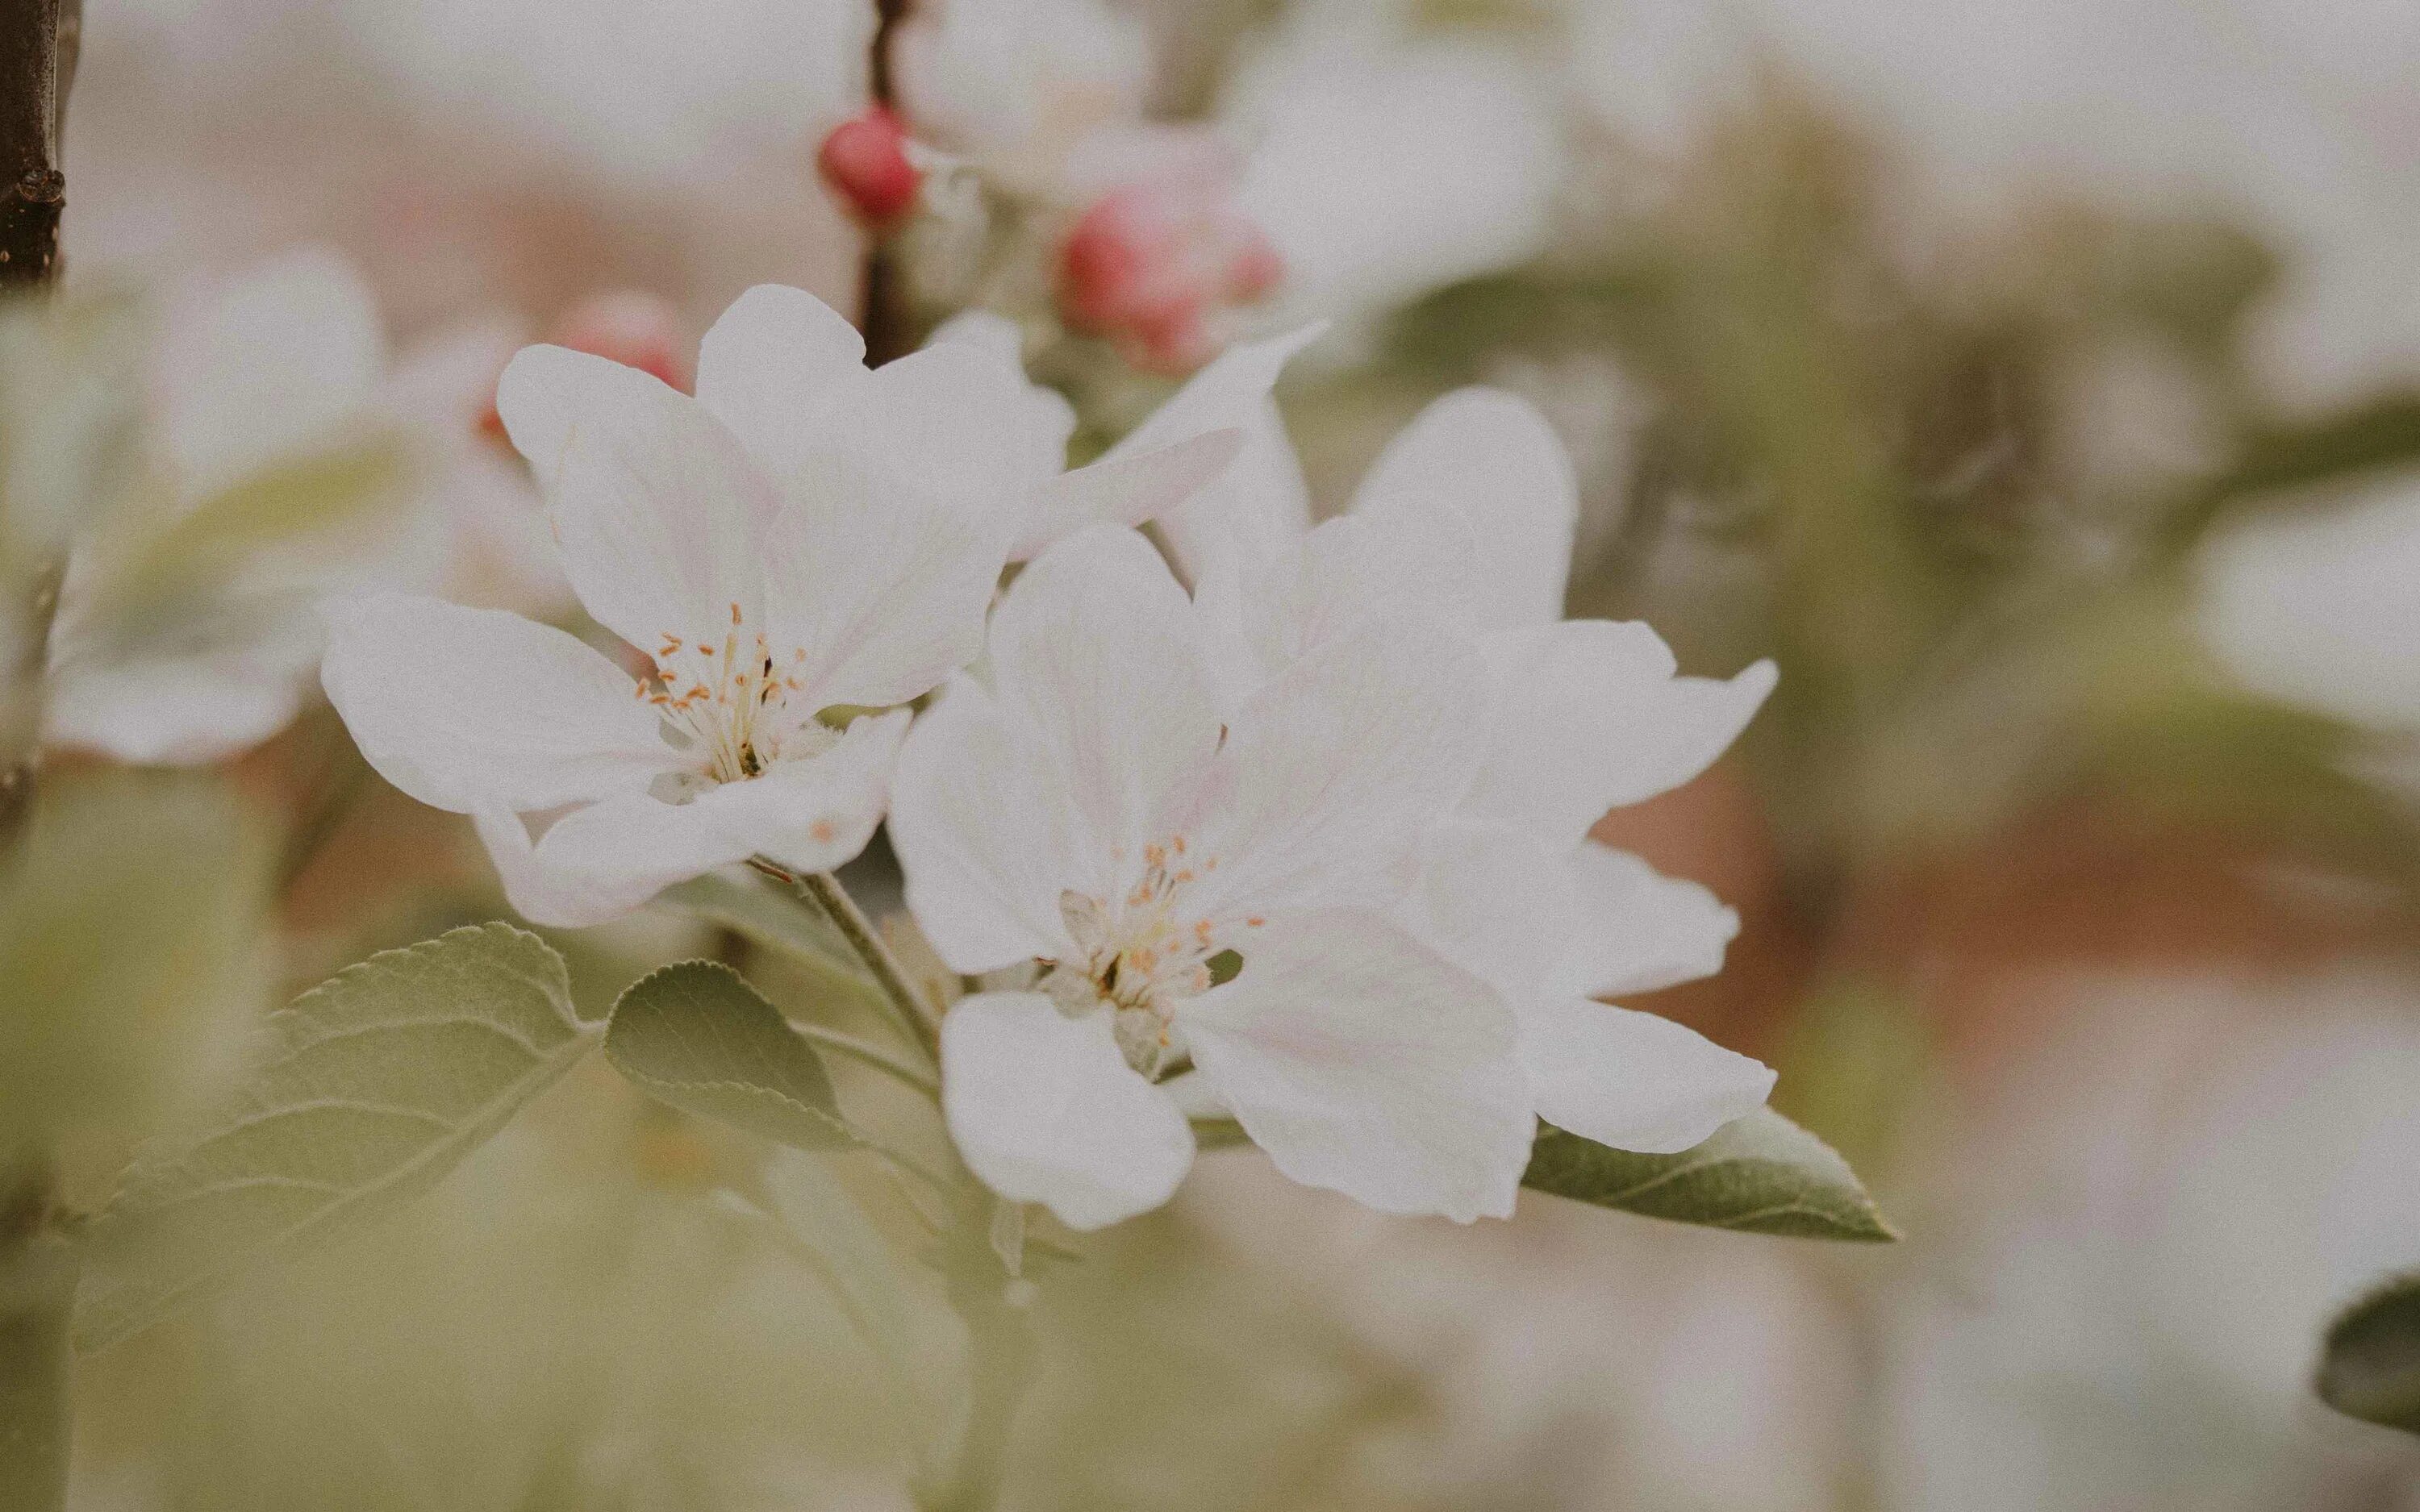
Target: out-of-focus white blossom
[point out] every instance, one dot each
(1015, 85)
(2155, 1224)
(803, 537)
(1203, 890)
(2319, 608)
(1386, 161)
(273, 370)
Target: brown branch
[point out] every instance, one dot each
(37, 47)
(33, 104)
(884, 320)
(38, 1264)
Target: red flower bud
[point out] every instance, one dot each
(1150, 264)
(864, 162)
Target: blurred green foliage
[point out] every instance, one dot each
(132, 955)
(1896, 457)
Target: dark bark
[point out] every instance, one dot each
(37, 45)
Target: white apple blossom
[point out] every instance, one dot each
(803, 541)
(1204, 894)
(1177, 456)
(1468, 514)
(280, 366)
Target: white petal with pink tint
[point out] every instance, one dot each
(1365, 1064)
(776, 367)
(466, 708)
(1044, 1109)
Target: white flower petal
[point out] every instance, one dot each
(1047, 419)
(1497, 903)
(599, 862)
(1126, 490)
(948, 424)
(1484, 466)
(1093, 647)
(885, 595)
(1352, 570)
(776, 367)
(1693, 721)
(542, 397)
(1335, 768)
(1636, 930)
(274, 360)
(1367, 1064)
(1632, 1080)
(987, 834)
(657, 506)
(1259, 504)
(816, 812)
(472, 708)
(1587, 716)
(1044, 1109)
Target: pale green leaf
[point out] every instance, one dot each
(370, 1087)
(131, 951)
(696, 1035)
(1762, 1173)
(2370, 1365)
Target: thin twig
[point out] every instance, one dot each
(31, 87)
(906, 1005)
(872, 1054)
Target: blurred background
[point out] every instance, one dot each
(2037, 381)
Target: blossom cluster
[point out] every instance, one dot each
(1240, 819)
(1360, 160)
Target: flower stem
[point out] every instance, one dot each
(871, 1055)
(907, 1007)
(999, 1366)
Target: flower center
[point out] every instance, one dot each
(732, 702)
(1142, 955)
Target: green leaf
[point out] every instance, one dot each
(130, 951)
(696, 1035)
(765, 913)
(2370, 1365)
(1761, 1174)
(371, 1087)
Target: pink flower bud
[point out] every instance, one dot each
(864, 162)
(1151, 264)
